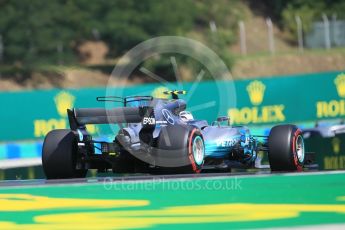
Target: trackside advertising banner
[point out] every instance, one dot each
(330, 151)
(259, 102)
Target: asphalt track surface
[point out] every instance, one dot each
(134, 177)
(308, 200)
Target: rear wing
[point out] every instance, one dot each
(81, 117)
(127, 101)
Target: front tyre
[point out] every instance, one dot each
(180, 149)
(196, 152)
(286, 148)
(59, 155)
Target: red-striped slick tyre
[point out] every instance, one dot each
(180, 149)
(196, 152)
(286, 148)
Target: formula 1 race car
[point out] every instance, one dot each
(159, 136)
(325, 129)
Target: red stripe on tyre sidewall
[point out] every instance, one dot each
(190, 153)
(295, 157)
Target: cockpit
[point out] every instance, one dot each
(186, 116)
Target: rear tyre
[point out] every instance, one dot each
(59, 155)
(286, 148)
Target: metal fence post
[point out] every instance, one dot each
(327, 35)
(1, 52)
(59, 49)
(213, 26)
(270, 35)
(243, 42)
(95, 33)
(334, 30)
(1, 49)
(299, 33)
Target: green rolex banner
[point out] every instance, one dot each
(259, 102)
(301, 98)
(330, 151)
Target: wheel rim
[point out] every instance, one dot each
(300, 148)
(198, 150)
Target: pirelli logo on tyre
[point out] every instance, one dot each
(257, 114)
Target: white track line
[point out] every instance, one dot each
(20, 163)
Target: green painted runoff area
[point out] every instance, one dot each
(259, 201)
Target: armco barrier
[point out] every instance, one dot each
(20, 150)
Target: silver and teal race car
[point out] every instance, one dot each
(160, 136)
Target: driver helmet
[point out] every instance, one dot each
(186, 116)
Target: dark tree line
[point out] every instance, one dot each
(41, 31)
